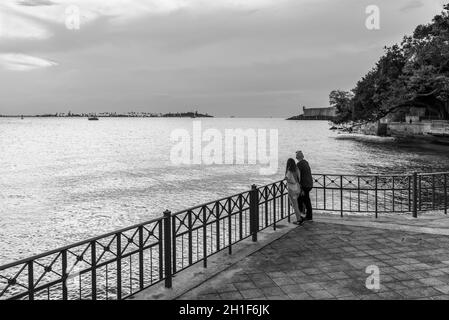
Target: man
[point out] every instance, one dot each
(306, 185)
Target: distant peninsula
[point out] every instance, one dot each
(191, 114)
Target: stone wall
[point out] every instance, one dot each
(404, 128)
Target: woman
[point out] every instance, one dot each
(294, 189)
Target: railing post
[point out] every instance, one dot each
(173, 245)
(167, 249)
(375, 195)
(433, 192)
(274, 207)
(64, 274)
(324, 191)
(409, 193)
(415, 195)
(161, 248)
(341, 196)
(420, 193)
(204, 237)
(358, 193)
(30, 280)
(229, 227)
(445, 193)
(253, 212)
(217, 224)
(119, 265)
(189, 221)
(240, 216)
(289, 211)
(141, 268)
(93, 254)
(282, 200)
(393, 195)
(266, 206)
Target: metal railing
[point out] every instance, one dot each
(381, 193)
(121, 263)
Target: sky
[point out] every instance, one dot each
(243, 58)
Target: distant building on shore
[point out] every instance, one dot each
(328, 113)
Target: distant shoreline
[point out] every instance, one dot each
(167, 115)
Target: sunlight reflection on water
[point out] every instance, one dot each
(63, 180)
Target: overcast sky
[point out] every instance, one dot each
(225, 57)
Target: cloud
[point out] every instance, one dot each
(22, 62)
(16, 24)
(40, 19)
(411, 5)
(35, 3)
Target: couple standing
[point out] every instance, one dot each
(299, 183)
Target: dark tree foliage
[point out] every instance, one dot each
(414, 73)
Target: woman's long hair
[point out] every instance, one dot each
(291, 166)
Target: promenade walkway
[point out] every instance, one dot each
(327, 259)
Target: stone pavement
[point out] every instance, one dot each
(328, 261)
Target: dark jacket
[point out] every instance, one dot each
(306, 174)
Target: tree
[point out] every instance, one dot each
(342, 100)
(414, 73)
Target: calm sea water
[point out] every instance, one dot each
(63, 180)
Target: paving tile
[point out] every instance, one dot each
(245, 285)
(435, 272)
(299, 273)
(442, 297)
(283, 281)
(418, 274)
(402, 276)
(300, 296)
(301, 279)
(226, 288)
(240, 278)
(277, 274)
(320, 294)
(432, 282)
(291, 289)
(234, 295)
(425, 293)
(252, 293)
(443, 289)
(349, 297)
(413, 283)
(209, 297)
(311, 271)
(338, 275)
(445, 270)
(265, 283)
(318, 278)
(281, 297)
(310, 286)
(272, 291)
(259, 277)
(390, 295)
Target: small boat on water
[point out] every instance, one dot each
(92, 118)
